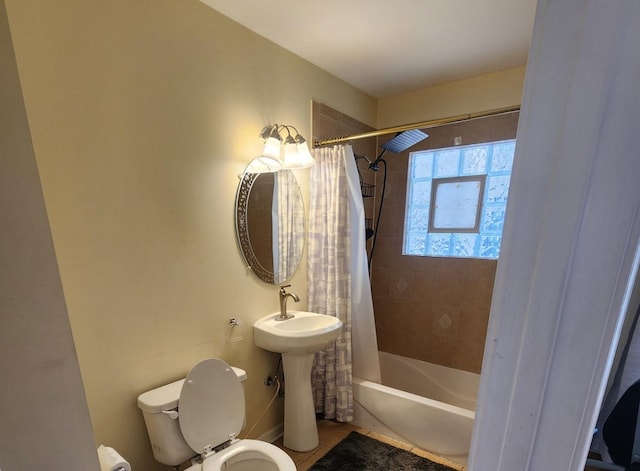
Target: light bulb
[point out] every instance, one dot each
(272, 148)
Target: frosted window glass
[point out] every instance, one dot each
(417, 244)
(419, 220)
(491, 161)
(421, 193)
(502, 160)
(498, 189)
(439, 244)
(422, 165)
(464, 245)
(490, 246)
(494, 219)
(447, 163)
(474, 160)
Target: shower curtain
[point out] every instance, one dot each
(338, 281)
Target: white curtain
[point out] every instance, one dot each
(366, 364)
(337, 261)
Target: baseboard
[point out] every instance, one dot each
(273, 434)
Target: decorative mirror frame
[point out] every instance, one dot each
(242, 229)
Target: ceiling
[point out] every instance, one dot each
(388, 47)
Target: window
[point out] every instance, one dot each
(468, 186)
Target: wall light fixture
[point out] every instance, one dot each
(290, 152)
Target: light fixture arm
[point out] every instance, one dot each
(270, 131)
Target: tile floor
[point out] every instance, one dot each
(330, 433)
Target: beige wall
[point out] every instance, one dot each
(485, 92)
(142, 115)
(44, 419)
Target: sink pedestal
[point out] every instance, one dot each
(297, 339)
(300, 428)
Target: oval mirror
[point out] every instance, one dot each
(270, 223)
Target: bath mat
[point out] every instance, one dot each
(357, 452)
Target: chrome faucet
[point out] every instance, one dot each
(283, 303)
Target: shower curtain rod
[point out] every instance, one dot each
(421, 125)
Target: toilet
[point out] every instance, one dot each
(203, 415)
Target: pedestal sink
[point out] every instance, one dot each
(297, 339)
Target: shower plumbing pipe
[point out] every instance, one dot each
(421, 125)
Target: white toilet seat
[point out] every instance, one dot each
(211, 405)
(248, 449)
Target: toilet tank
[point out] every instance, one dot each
(160, 412)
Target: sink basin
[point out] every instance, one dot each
(306, 332)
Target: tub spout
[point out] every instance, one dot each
(283, 302)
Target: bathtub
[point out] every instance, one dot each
(419, 403)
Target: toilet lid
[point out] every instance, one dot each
(211, 405)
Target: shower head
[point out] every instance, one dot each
(403, 140)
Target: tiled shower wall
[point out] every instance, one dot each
(428, 308)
